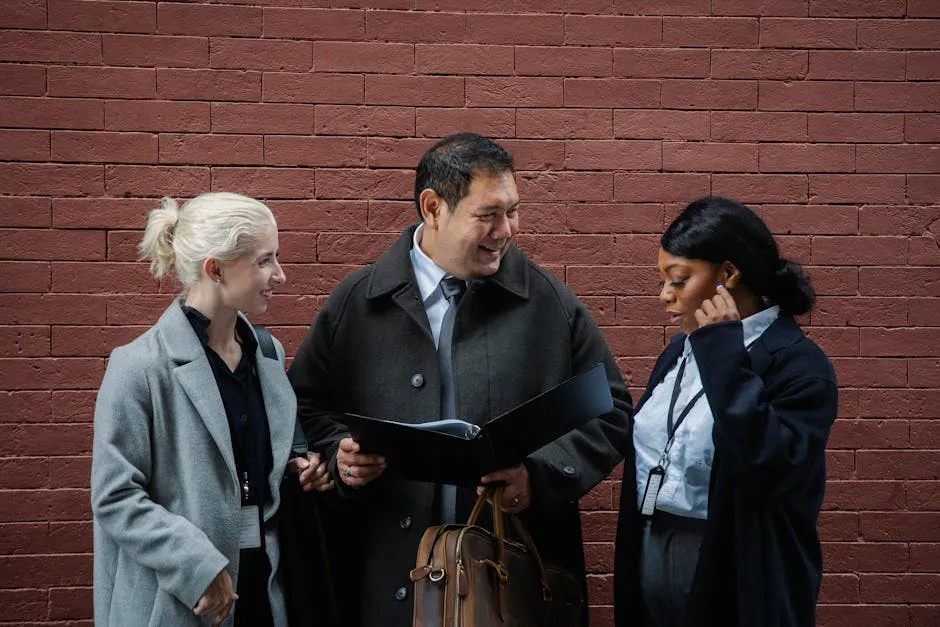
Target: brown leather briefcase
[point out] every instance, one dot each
(469, 576)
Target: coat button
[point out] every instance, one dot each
(417, 380)
(401, 594)
(568, 470)
(405, 522)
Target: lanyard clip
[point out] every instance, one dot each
(246, 489)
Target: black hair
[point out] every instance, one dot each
(448, 167)
(717, 229)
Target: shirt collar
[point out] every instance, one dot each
(428, 273)
(200, 324)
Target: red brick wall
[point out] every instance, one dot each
(822, 114)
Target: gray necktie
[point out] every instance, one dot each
(453, 289)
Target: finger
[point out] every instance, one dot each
(313, 459)
(708, 308)
(200, 608)
(499, 475)
(348, 445)
(701, 318)
(325, 487)
(361, 459)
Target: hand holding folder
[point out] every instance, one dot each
(458, 452)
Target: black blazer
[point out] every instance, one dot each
(760, 563)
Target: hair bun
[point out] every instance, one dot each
(791, 289)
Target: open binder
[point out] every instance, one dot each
(459, 453)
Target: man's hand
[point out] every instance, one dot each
(217, 599)
(312, 473)
(357, 469)
(719, 308)
(517, 493)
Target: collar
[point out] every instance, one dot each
(428, 273)
(200, 324)
(755, 325)
(394, 269)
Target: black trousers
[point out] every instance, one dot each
(669, 556)
(253, 609)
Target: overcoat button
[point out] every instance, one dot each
(417, 380)
(568, 470)
(401, 594)
(405, 522)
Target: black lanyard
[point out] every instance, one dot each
(673, 426)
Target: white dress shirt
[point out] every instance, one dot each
(684, 490)
(429, 276)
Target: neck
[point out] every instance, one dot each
(747, 304)
(221, 331)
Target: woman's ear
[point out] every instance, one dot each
(431, 207)
(730, 274)
(212, 269)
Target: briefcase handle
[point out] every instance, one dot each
(493, 496)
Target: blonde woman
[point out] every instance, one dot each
(193, 430)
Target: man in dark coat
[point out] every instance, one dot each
(517, 332)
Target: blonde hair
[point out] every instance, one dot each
(216, 225)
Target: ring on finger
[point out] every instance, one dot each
(347, 473)
(515, 501)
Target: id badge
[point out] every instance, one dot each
(653, 483)
(249, 536)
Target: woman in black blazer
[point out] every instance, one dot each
(725, 473)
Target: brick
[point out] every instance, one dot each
(24, 605)
(922, 495)
(922, 66)
(566, 249)
(843, 188)
(535, 154)
(98, 82)
(709, 94)
(922, 8)
(635, 250)
(187, 84)
(806, 96)
(345, 120)
(613, 155)
(520, 91)
(898, 34)
(75, 406)
(313, 23)
(923, 311)
(101, 213)
(76, 341)
(806, 33)
(391, 215)
(556, 186)
(357, 56)
(89, 278)
(178, 181)
(123, 309)
(922, 127)
(908, 404)
(314, 151)
(898, 158)
(260, 54)
(22, 80)
(923, 373)
(208, 20)
(68, 603)
(611, 93)
(49, 47)
(811, 220)
(43, 571)
(464, 59)
(51, 309)
(50, 179)
(424, 27)
(900, 588)
(544, 217)
(659, 187)
(154, 51)
(897, 97)
(433, 122)
(23, 145)
(267, 118)
(857, 8)
(48, 245)
(855, 127)
(661, 63)
(758, 188)
(395, 153)
(856, 64)
(902, 342)
(718, 32)
(875, 373)
(834, 281)
(757, 126)
(865, 495)
(122, 245)
(925, 557)
(297, 247)
(435, 91)
(838, 526)
(839, 588)
(358, 184)
(39, 373)
(546, 6)
(766, 64)
(627, 31)
(861, 312)
(661, 7)
(156, 116)
(563, 123)
(113, 17)
(656, 124)
(24, 341)
(901, 282)
(313, 88)
(922, 188)
(51, 113)
(211, 149)
(807, 158)
(25, 14)
(867, 433)
(24, 276)
(759, 7)
(617, 218)
(713, 157)
(265, 182)
(309, 279)
(352, 247)
(563, 61)
(526, 29)
(881, 615)
(102, 147)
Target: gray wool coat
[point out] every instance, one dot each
(516, 334)
(164, 490)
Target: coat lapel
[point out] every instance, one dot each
(280, 404)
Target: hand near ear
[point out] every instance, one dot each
(720, 308)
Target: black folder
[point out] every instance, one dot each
(459, 453)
